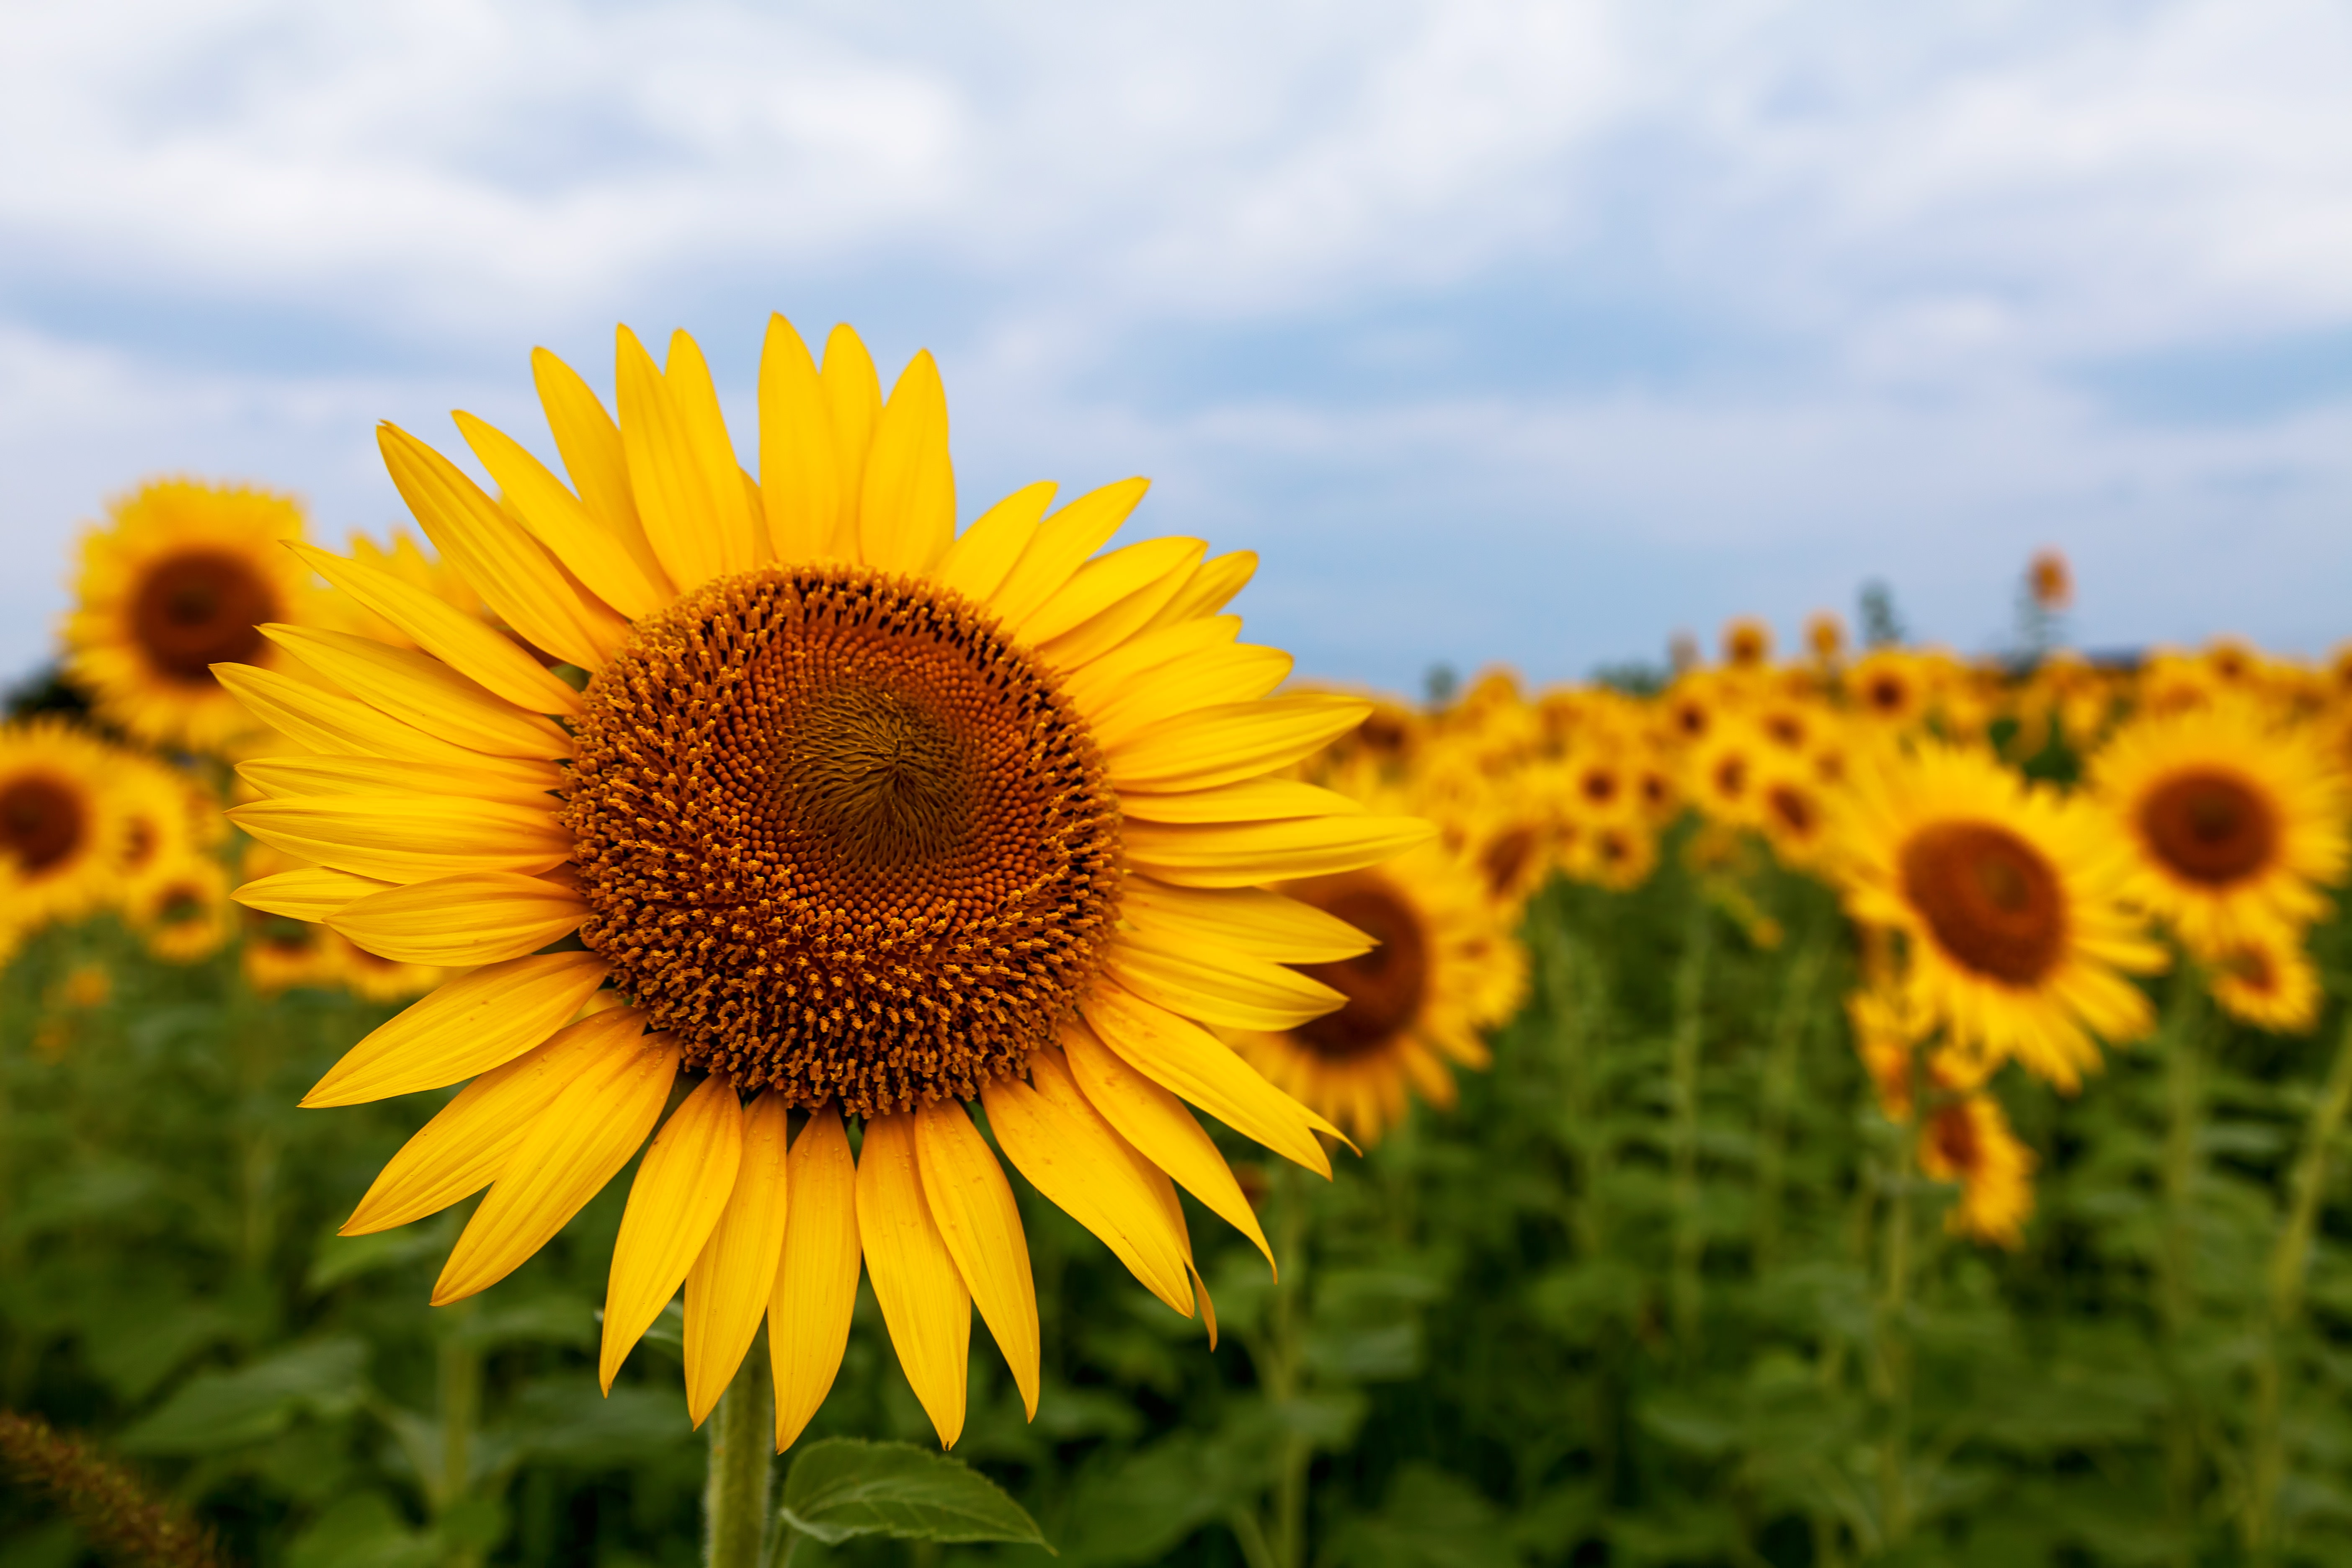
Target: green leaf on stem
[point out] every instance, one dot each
(845, 1487)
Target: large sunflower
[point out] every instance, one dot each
(2009, 899)
(1439, 968)
(63, 834)
(183, 579)
(2235, 820)
(865, 818)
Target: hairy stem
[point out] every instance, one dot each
(1689, 1239)
(743, 1442)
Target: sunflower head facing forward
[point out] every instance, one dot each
(182, 578)
(858, 816)
(2009, 900)
(64, 835)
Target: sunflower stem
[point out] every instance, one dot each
(460, 1378)
(2184, 1096)
(1894, 1368)
(2290, 1258)
(1777, 1094)
(1689, 1239)
(742, 1445)
(1282, 1373)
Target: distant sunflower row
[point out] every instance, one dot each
(121, 808)
(2016, 844)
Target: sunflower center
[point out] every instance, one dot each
(1992, 900)
(842, 838)
(199, 608)
(42, 820)
(1384, 987)
(2253, 969)
(2207, 825)
(1792, 808)
(1954, 1132)
(1503, 860)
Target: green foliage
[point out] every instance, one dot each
(843, 1488)
(1662, 1290)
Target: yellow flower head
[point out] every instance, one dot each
(1746, 643)
(182, 580)
(2050, 580)
(183, 912)
(2235, 822)
(2009, 897)
(2270, 982)
(1825, 635)
(862, 815)
(63, 832)
(1969, 1141)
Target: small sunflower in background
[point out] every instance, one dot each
(862, 817)
(1890, 686)
(182, 579)
(1722, 771)
(283, 949)
(1796, 812)
(63, 833)
(1433, 968)
(183, 912)
(2235, 822)
(2009, 899)
(1968, 1140)
(1825, 638)
(167, 819)
(2049, 581)
(2268, 981)
(1746, 643)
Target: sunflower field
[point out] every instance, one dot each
(508, 1028)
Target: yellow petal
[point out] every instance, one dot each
(1187, 1061)
(471, 1024)
(515, 575)
(1212, 588)
(1247, 919)
(345, 727)
(572, 1150)
(409, 838)
(1208, 1307)
(1160, 1128)
(679, 490)
(279, 777)
(1251, 800)
(1061, 545)
(1240, 673)
(906, 513)
(1095, 685)
(467, 643)
(463, 1149)
(310, 893)
(976, 564)
(1231, 741)
(1217, 986)
(418, 689)
(562, 523)
(972, 1204)
(1150, 569)
(817, 1284)
(487, 917)
(590, 445)
(1068, 1153)
(728, 1289)
(799, 482)
(853, 403)
(1244, 854)
(924, 1300)
(681, 1189)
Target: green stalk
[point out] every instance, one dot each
(1893, 1359)
(1282, 1380)
(2184, 1100)
(460, 1377)
(1572, 986)
(742, 1443)
(1778, 1093)
(2290, 1258)
(1689, 1241)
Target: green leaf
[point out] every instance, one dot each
(217, 1410)
(845, 1487)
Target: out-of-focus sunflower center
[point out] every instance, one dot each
(1385, 986)
(842, 838)
(2253, 969)
(140, 840)
(42, 820)
(1792, 808)
(1954, 1132)
(199, 608)
(2209, 826)
(1503, 860)
(1990, 897)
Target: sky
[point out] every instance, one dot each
(1518, 332)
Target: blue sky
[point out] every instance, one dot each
(1523, 333)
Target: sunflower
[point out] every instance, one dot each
(2009, 899)
(865, 818)
(1434, 965)
(2049, 581)
(1889, 686)
(1616, 854)
(163, 823)
(1746, 643)
(182, 581)
(285, 946)
(63, 834)
(2270, 982)
(1796, 812)
(1826, 637)
(182, 912)
(1722, 770)
(2235, 821)
(1968, 1140)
